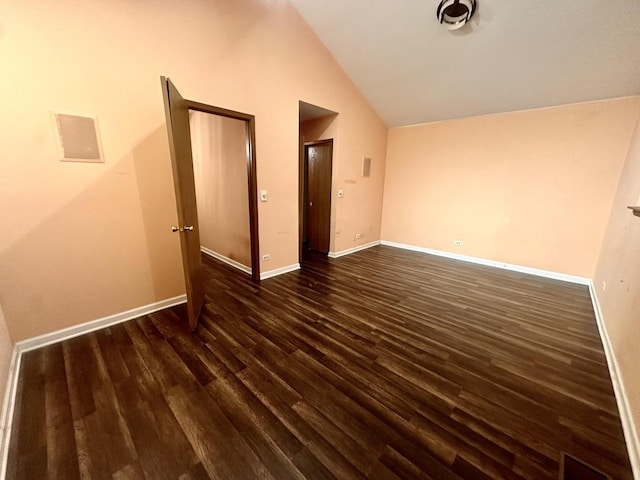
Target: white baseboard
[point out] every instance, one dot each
(22, 346)
(279, 271)
(226, 260)
(626, 417)
(81, 329)
(348, 251)
(8, 406)
(6, 418)
(492, 263)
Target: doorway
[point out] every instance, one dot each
(318, 129)
(318, 165)
(218, 144)
(177, 110)
(233, 120)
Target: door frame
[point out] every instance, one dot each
(252, 182)
(303, 177)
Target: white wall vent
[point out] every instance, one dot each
(78, 138)
(366, 167)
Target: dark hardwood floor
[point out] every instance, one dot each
(383, 364)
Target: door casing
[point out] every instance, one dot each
(252, 182)
(319, 193)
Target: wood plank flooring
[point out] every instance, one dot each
(384, 364)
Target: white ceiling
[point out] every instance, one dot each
(513, 55)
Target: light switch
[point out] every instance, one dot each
(263, 195)
(340, 193)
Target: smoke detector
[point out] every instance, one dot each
(454, 14)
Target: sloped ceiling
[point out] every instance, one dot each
(513, 55)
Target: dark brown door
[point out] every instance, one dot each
(318, 162)
(177, 114)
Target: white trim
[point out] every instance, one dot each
(8, 405)
(492, 263)
(626, 416)
(349, 251)
(279, 271)
(6, 419)
(624, 409)
(226, 260)
(81, 329)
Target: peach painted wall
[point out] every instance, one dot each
(6, 349)
(619, 267)
(321, 128)
(531, 188)
(82, 241)
(219, 146)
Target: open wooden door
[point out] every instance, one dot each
(319, 165)
(177, 115)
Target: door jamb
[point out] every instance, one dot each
(251, 175)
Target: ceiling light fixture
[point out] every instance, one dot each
(453, 14)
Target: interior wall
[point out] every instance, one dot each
(82, 241)
(6, 349)
(219, 146)
(531, 188)
(617, 277)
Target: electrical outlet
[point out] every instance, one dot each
(458, 243)
(604, 286)
(357, 236)
(265, 257)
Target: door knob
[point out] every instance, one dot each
(186, 228)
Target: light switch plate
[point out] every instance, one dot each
(263, 195)
(340, 193)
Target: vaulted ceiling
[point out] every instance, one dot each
(512, 55)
